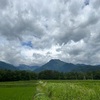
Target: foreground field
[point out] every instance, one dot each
(68, 90)
(50, 90)
(23, 90)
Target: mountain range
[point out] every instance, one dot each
(53, 64)
(4, 65)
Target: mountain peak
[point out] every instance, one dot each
(55, 60)
(53, 64)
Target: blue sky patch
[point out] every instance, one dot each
(86, 2)
(28, 44)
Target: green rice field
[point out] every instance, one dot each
(50, 90)
(23, 90)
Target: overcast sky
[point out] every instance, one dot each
(34, 31)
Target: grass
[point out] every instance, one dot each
(68, 90)
(50, 90)
(23, 90)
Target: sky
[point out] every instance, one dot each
(34, 31)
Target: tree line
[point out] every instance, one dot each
(8, 75)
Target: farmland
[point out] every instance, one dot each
(22, 90)
(50, 90)
(69, 90)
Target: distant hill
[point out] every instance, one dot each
(7, 66)
(4, 65)
(87, 68)
(58, 65)
(26, 67)
(53, 64)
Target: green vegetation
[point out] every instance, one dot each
(8, 75)
(68, 90)
(50, 90)
(22, 90)
(59, 86)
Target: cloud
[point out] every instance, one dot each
(34, 31)
(3, 4)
